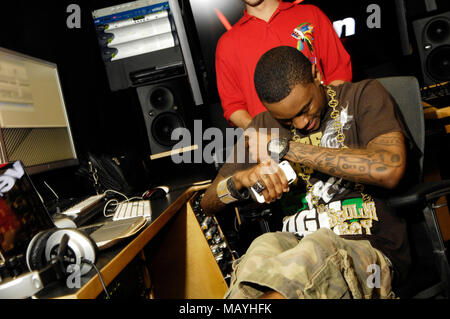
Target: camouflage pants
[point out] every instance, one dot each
(321, 265)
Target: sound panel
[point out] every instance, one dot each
(433, 42)
(166, 106)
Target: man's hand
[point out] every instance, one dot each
(267, 173)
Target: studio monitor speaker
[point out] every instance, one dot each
(166, 106)
(433, 41)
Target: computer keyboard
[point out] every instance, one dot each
(83, 206)
(132, 209)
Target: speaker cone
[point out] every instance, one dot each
(163, 126)
(438, 30)
(438, 63)
(161, 98)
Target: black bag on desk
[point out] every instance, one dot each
(104, 173)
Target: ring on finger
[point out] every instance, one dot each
(258, 187)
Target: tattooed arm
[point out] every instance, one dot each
(381, 163)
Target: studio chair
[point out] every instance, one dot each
(430, 272)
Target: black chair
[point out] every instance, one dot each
(430, 272)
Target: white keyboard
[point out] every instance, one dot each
(138, 208)
(83, 206)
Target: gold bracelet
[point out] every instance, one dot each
(224, 193)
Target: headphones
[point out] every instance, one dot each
(51, 256)
(44, 247)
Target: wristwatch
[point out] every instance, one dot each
(278, 148)
(227, 192)
(239, 195)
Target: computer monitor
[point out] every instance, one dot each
(34, 127)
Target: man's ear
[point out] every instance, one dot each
(317, 76)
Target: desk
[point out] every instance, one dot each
(179, 255)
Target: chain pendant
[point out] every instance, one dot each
(305, 171)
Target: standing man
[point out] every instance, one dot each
(267, 24)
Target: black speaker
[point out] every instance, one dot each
(166, 106)
(433, 41)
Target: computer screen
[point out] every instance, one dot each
(34, 127)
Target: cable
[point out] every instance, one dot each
(133, 198)
(54, 193)
(117, 202)
(113, 191)
(83, 260)
(112, 201)
(234, 224)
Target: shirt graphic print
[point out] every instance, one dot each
(345, 217)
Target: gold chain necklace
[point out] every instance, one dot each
(305, 172)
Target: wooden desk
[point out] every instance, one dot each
(182, 266)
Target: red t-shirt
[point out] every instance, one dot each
(240, 48)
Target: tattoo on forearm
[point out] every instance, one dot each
(353, 164)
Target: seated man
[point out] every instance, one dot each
(348, 146)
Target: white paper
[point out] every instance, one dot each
(139, 31)
(128, 22)
(141, 46)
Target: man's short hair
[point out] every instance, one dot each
(278, 71)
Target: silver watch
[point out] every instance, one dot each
(278, 148)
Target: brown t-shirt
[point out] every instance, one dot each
(366, 111)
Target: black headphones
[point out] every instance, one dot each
(81, 250)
